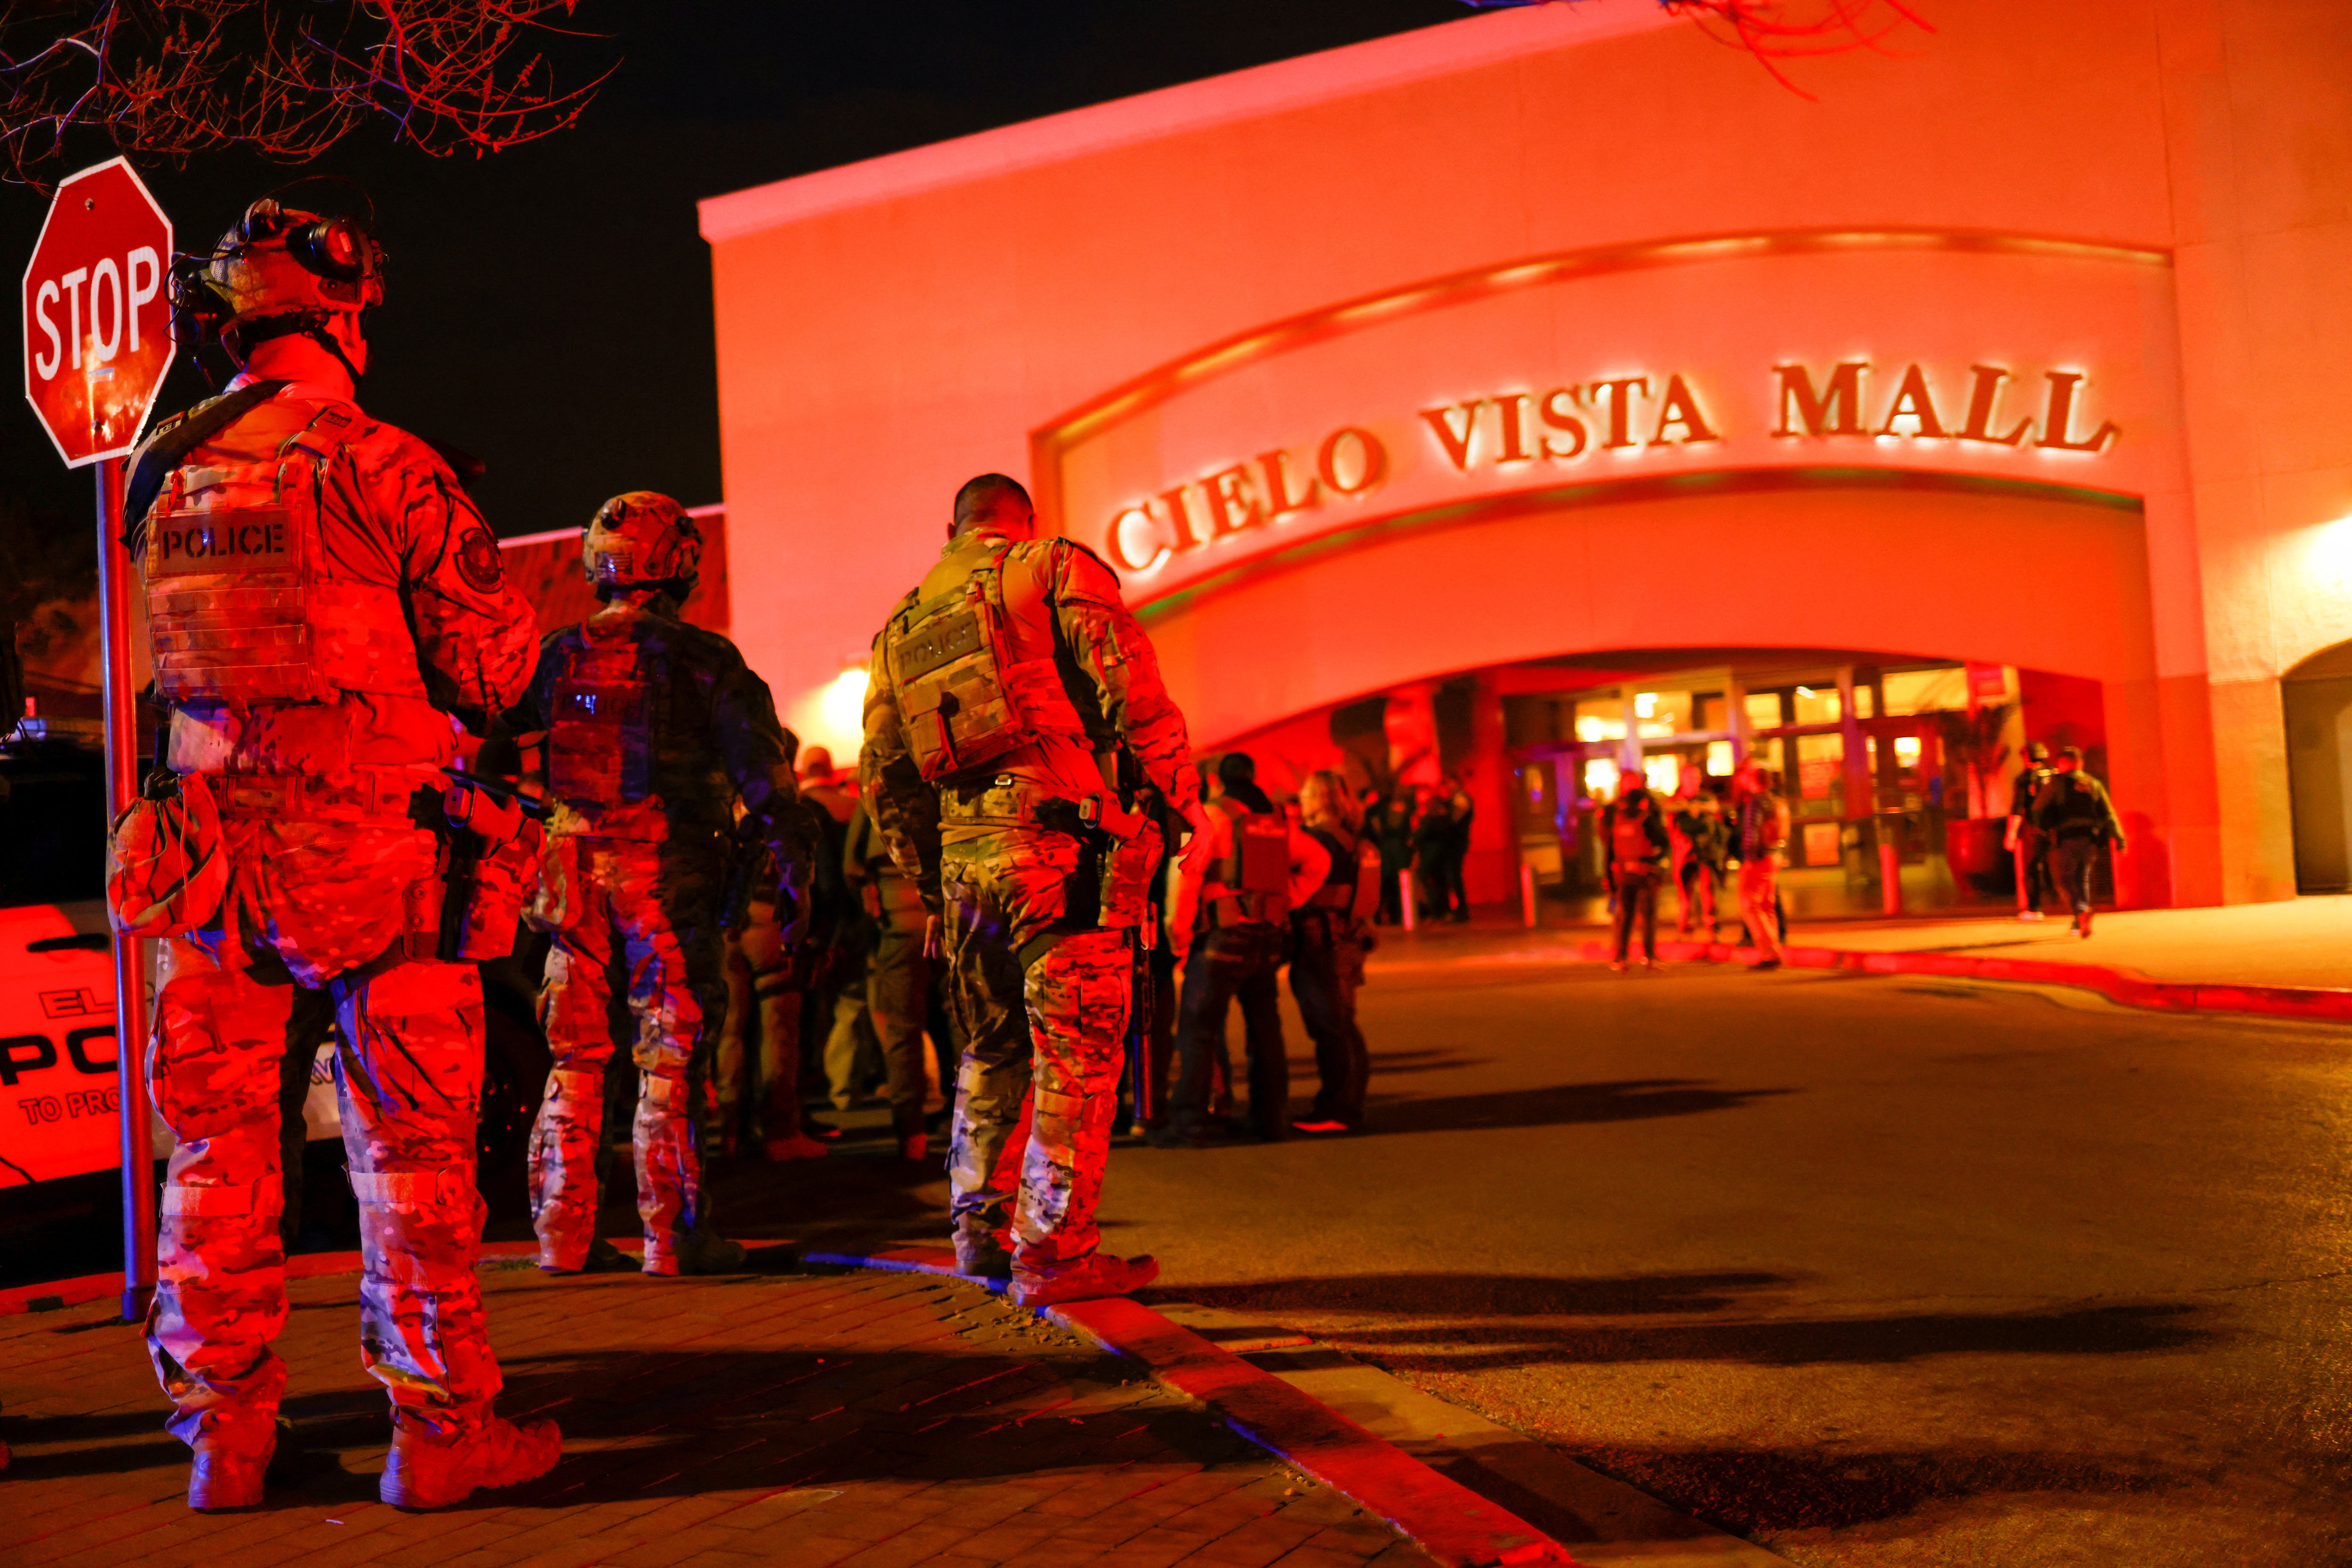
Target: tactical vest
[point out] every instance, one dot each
(238, 606)
(1629, 839)
(963, 699)
(1353, 883)
(601, 720)
(1256, 872)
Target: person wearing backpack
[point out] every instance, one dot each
(2076, 813)
(1232, 892)
(1635, 832)
(1759, 830)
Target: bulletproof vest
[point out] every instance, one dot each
(978, 672)
(2075, 804)
(600, 734)
(1257, 867)
(1629, 841)
(239, 605)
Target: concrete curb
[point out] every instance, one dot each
(1452, 1524)
(2126, 987)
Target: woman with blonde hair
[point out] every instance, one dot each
(1330, 932)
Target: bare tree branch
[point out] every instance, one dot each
(286, 78)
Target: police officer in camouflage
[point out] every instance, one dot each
(326, 608)
(1014, 723)
(649, 729)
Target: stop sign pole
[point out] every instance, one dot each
(98, 342)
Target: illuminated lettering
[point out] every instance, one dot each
(1232, 505)
(1912, 402)
(1982, 391)
(1279, 501)
(1559, 419)
(1836, 412)
(1180, 519)
(1371, 461)
(1510, 407)
(1455, 442)
(2059, 417)
(1679, 407)
(1621, 406)
(1114, 542)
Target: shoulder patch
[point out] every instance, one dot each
(478, 562)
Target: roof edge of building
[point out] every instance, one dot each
(1325, 75)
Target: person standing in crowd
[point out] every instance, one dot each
(1392, 824)
(651, 730)
(1331, 933)
(841, 937)
(756, 1070)
(1460, 811)
(1432, 841)
(897, 975)
(1634, 828)
(314, 777)
(2073, 809)
(1015, 719)
(1699, 826)
(1759, 827)
(2028, 844)
(1235, 886)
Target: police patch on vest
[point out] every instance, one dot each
(479, 563)
(180, 544)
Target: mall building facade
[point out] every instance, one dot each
(1557, 392)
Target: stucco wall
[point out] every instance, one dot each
(887, 330)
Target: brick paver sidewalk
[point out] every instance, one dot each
(802, 1419)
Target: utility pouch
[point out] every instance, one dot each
(504, 874)
(554, 904)
(166, 858)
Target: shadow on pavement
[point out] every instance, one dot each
(2102, 1330)
(1562, 1105)
(1476, 1295)
(1767, 1492)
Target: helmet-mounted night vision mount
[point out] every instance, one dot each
(285, 266)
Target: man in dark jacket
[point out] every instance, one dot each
(1633, 830)
(2028, 843)
(2076, 813)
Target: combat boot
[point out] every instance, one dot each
(433, 1469)
(696, 1252)
(603, 1258)
(227, 1473)
(1097, 1274)
(980, 1255)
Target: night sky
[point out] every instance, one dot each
(548, 307)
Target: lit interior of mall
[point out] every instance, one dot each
(1897, 772)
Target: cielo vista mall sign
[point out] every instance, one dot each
(1386, 366)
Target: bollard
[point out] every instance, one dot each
(1404, 897)
(1528, 894)
(1890, 868)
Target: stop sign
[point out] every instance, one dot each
(98, 316)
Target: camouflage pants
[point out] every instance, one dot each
(759, 1055)
(898, 994)
(408, 1070)
(1048, 1031)
(654, 910)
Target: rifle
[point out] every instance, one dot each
(1142, 984)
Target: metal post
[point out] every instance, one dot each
(1404, 895)
(129, 967)
(1890, 862)
(1528, 894)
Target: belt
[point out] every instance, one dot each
(1225, 909)
(1331, 896)
(368, 794)
(1010, 802)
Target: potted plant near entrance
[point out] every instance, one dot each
(1972, 846)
